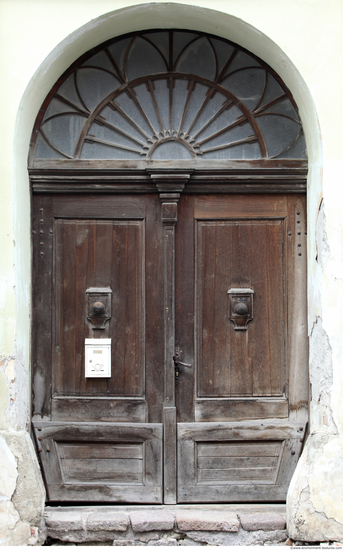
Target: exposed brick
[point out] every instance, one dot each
(152, 520)
(188, 520)
(270, 521)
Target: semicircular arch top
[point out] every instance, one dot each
(168, 95)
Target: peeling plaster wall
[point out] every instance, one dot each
(302, 41)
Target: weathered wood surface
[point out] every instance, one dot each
(240, 254)
(169, 446)
(82, 459)
(273, 166)
(212, 410)
(297, 348)
(106, 493)
(93, 253)
(240, 206)
(214, 457)
(241, 407)
(272, 429)
(42, 304)
(99, 409)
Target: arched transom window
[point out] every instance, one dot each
(165, 95)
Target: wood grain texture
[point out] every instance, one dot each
(97, 409)
(241, 407)
(217, 459)
(42, 304)
(169, 456)
(240, 254)
(212, 410)
(110, 254)
(82, 459)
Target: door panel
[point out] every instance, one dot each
(105, 462)
(223, 462)
(104, 437)
(99, 253)
(242, 405)
(231, 254)
(235, 429)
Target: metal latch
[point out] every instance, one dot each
(178, 363)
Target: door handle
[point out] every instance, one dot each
(178, 363)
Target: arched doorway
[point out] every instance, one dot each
(168, 171)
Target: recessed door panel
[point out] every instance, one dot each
(103, 441)
(243, 427)
(240, 254)
(100, 254)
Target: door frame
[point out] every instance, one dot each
(244, 177)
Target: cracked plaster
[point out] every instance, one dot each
(314, 503)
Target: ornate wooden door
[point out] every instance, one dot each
(241, 323)
(167, 171)
(204, 305)
(101, 438)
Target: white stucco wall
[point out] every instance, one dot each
(302, 40)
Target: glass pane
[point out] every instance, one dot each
(100, 60)
(247, 151)
(144, 97)
(103, 152)
(144, 59)
(131, 109)
(44, 151)
(180, 41)
(94, 85)
(115, 137)
(273, 90)
(283, 107)
(197, 99)
(58, 107)
(198, 58)
(223, 52)
(63, 132)
(179, 101)
(163, 100)
(68, 91)
(297, 150)
(195, 107)
(278, 132)
(247, 85)
(118, 51)
(241, 60)
(235, 134)
(210, 122)
(171, 150)
(118, 120)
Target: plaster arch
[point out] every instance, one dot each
(141, 17)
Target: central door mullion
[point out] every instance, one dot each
(170, 186)
(169, 304)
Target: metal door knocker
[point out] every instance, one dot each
(240, 307)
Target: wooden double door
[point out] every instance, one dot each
(203, 298)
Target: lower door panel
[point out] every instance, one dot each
(102, 462)
(236, 462)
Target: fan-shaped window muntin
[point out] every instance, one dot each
(169, 95)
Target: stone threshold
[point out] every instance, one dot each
(169, 525)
